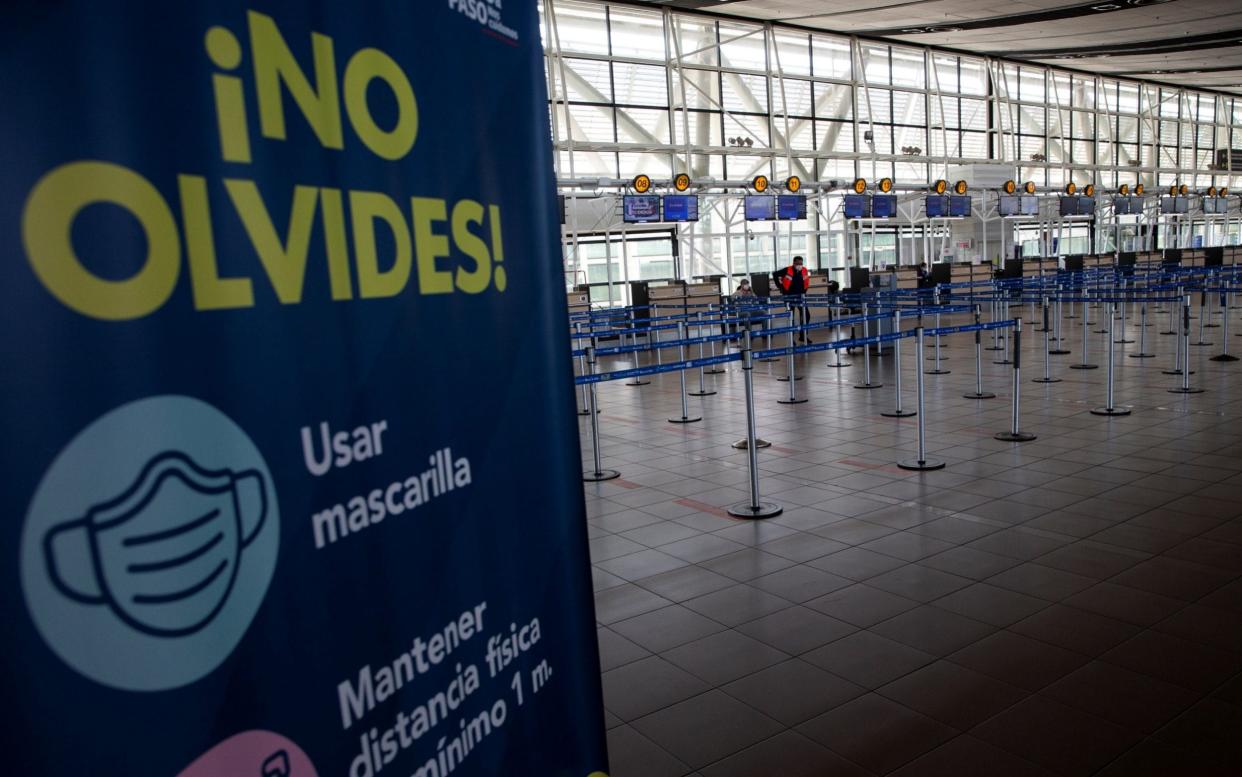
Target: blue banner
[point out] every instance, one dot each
(291, 469)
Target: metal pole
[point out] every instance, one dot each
(681, 373)
(1056, 337)
(898, 412)
(922, 462)
(979, 392)
(937, 370)
(754, 508)
(1202, 316)
(836, 334)
(789, 367)
(1172, 330)
(582, 368)
(995, 346)
(1047, 330)
(702, 392)
(1086, 338)
(716, 369)
(1142, 354)
(1186, 388)
(1109, 408)
(1210, 312)
(1125, 297)
(1224, 355)
(600, 473)
(866, 384)
(791, 377)
(637, 380)
(1015, 434)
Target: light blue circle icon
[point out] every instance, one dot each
(150, 543)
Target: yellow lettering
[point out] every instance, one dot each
(225, 52)
(274, 64)
(365, 208)
(465, 213)
(429, 246)
(498, 247)
(334, 241)
(370, 64)
(211, 292)
(285, 262)
(47, 223)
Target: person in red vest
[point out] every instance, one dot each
(794, 281)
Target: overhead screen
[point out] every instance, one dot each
(1086, 206)
(759, 207)
(1030, 205)
(1069, 206)
(959, 205)
(640, 208)
(884, 206)
(1009, 206)
(791, 207)
(937, 207)
(857, 206)
(1123, 206)
(681, 207)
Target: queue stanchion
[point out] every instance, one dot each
(636, 380)
(716, 369)
(686, 418)
(769, 346)
(979, 393)
(1047, 378)
(789, 368)
(1142, 351)
(1056, 333)
(1177, 353)
(1109, 407)
(582, 367)
(754, 508)
(836, 335)
(791, 378)
(922, 462)
(1015, 434)
(1210, 312)
(897, 412)
(1185, 372)
(1086, 338)
(866, 384)
(937, 369)
(702, 392)
(1224, 355)
(1202, 317)
(744, 443)
(995, 316)
(1172, 330)
(1004, 359)
(1125, 298)
(599, 473)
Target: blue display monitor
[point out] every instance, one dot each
(1167, 205)
(760, 207)
(884, 206)
(791, 207)
(1030, 205)
(937, 206)
(681, 207)
(1069, 206)
(959, 205)
(640, 208)
(1182, 204)
(1009, 205)
(1086, 206)
(1209, 205)
(857, 206)
(1123, 206)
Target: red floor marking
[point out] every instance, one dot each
(626, 483)
(619, 418)
(859, 464)
(790, 451)
(703, 507)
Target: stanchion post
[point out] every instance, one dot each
(789, 367)
(866, 384)
(1056, 336)
(1109, 408)
(791, 377)
(1186, 388)
(922, 462)
(1015, 434)
(897, 412)
(681, 373)
(836, 334)
(1202, 317)
(1047, 378)
(582, 366)
(702, 392)
(1086, 338)
(937, 369)
(599, 472)
(753, 508)
(1142, 352)
(637, 380)
(1224, 355)
(979, 393)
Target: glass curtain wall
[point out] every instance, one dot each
(661, 92)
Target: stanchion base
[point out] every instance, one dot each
(933, 358)
(603, 474)
(868, 385)
(769, 359)
(1058, 352)
(1201, 343)
(1141, 355)
(1224, 357)
(685, 420)
(980, 395)
(1084, 366)
(1004, 361)
(715, 371)
(700, 393)
(1175, 372)
(1014, 437)
(937, 372)
(761, 510)
(742, 444)
(1211, 326)
(639, 383)
(785, 379)
(790, 401)
(1110, 411)
(842, 364)
(1123, 342)
(898, 413)
(1187, 390)
(921, 465)
(1045, 380)
(994, 348)
(588, 412)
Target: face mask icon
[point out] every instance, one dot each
(276, 765)
(164, 553)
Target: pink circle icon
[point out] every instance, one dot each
(252, 754)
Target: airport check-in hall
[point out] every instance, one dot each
(906, 338)
(667, 388)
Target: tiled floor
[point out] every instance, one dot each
(1067, 606)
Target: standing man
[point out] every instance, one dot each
(794, 281)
